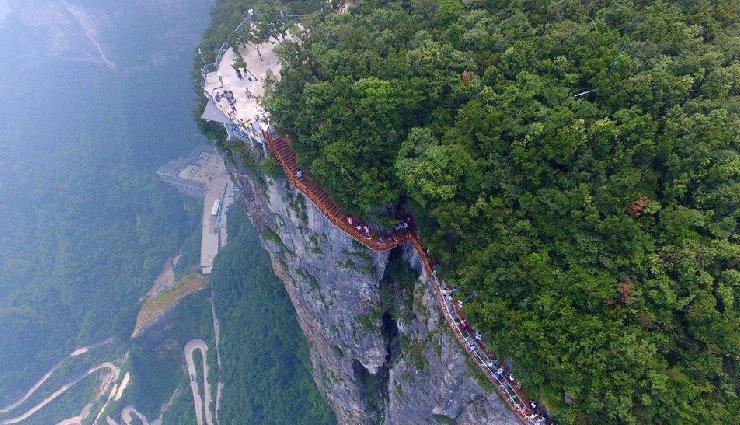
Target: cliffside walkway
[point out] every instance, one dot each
(509, 390)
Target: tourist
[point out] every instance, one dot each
(478, 336)
(350, 220)
(239, 74)
(299, 174)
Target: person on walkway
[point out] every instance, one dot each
(299, 174)
(350, 220)
(239, 74)
(478, 336)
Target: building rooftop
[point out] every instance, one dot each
(172, 168)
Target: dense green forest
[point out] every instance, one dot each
(266, 372)
(573, 164)
(86, 225)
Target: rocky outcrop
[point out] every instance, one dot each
(373, 367)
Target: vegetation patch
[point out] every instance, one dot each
(416, 351)
(153, 308)
(442, 419)
(366, 322)
(573, 165)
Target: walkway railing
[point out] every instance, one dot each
(509, 390)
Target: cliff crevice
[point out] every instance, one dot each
(380, 349)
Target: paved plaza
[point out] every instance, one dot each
(247, 91)
(210, 171)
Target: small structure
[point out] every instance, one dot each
(216, 208)
(170, 172)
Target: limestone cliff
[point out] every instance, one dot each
(373, 367)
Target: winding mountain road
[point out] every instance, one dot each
(51, 371)
(200, 404)
(114, 372)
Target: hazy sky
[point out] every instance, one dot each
(4, 9)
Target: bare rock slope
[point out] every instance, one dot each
(334, 284)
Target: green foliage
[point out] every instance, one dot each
(416, 350)
(367, 322)
(266, 371)
(599, 230)
(157, 355)
(397, 289)
(86, 224)
(442, 419)
(270, 235)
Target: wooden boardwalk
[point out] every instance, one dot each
(509, 390)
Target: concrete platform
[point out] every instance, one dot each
(211, 172)
(247, 94)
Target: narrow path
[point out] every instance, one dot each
(203, 404)
(509, 390)
(114, 371)
(51, 371)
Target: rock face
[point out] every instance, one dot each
(359, 361)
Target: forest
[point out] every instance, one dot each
(86, 225)
(574, 167)
(266, 372)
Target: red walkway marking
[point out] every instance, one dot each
(509, 391)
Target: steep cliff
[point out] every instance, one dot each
(380, 350)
